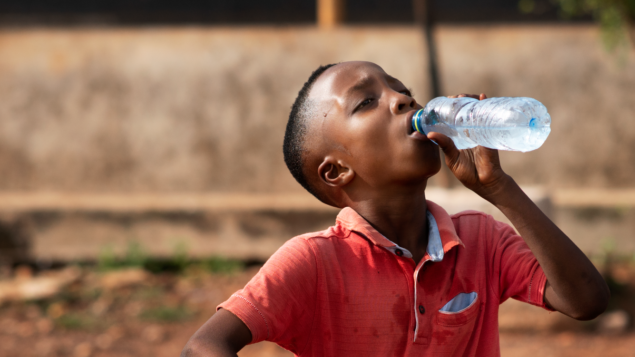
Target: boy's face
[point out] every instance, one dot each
(363, 116)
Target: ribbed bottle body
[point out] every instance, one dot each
(504, 123)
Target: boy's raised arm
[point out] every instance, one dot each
(574, 287)
(223, 335)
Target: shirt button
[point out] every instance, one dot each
(422, 310)
(398, 252)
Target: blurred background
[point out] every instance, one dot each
(141, 172)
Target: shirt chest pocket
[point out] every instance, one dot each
(455, 323)
(458, 310)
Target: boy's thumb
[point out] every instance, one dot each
(446, 144)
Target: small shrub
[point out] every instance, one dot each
(76, 321)
(135, 257)
(167, 314)
(221, 265)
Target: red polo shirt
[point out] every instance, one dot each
(349, 291)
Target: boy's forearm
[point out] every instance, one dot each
(576, 288)
(223, 335)
(197, 347)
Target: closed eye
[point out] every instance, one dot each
(364, 103)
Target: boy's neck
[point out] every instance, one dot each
(400, 217)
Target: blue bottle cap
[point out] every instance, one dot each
(417, 121)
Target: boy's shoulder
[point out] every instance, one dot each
(479, 230)
(333, 232)
(470, 215)
(325, 242)
(443, 218)
(474, 219)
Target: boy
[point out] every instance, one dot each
(396, 275)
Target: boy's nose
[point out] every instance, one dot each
(402, 103)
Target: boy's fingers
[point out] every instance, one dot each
(475, 96)
(446, 144)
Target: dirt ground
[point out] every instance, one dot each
(131, 312)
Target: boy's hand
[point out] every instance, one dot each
(478, 168)
(574, 287)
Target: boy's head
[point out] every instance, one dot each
(349, 136)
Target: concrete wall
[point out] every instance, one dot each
(67, 227)
(167, 109)
(588, 93)
(204, 109)
(124, 128)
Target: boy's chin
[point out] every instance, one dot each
(436, 168)
(430, 167)
(421, 177)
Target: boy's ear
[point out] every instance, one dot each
(335, 173)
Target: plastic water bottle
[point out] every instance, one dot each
(504, 123)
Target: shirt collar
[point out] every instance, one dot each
(441, 235)
(435, 246)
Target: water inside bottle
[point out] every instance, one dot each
(502, 138)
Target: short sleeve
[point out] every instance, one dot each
(278, 303)
(519, 274)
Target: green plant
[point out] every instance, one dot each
(613, 16)
(181, 256)
(76, 321)
(220, 265)
(107, 259)
(177, 263)
(135, 256)
(167, 314)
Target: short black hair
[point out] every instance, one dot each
(293, 146)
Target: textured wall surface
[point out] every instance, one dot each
(167, 109)
(204, 109)
(587, 92)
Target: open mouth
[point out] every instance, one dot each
(410, 130)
